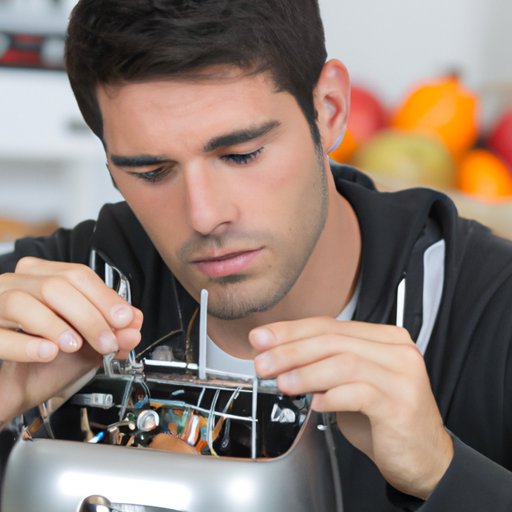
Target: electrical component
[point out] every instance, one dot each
(102, 400)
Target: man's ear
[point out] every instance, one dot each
(332, 103)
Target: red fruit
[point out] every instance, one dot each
(500, 137)
(367, 114)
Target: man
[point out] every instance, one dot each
(217, 117)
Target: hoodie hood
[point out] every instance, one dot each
(393, 226)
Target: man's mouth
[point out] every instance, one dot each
(226, 264)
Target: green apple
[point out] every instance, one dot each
(407, 159)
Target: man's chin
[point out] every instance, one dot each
(233, 301)
(231, 279)
(236, 311)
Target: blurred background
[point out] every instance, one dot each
(432, 106)
(431, 97)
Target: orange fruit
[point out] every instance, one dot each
(443, 108)
(484, 175)
(345, 150)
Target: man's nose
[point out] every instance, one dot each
(211, 208)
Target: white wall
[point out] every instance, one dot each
(391, 44)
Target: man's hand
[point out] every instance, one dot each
(375, 379)
(60, 314)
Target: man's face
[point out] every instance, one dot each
(224, 176)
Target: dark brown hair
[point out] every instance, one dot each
(121, 41)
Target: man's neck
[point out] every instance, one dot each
(324, 288)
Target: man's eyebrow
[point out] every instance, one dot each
(240, 136)
(138, 160)
(222, 141)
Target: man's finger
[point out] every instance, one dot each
(338, 371)
(116, 311)
(303, 352)
(23, 348)
(42, 322)
(278, 333)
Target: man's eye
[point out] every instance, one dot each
(242, 158)
(153, 176)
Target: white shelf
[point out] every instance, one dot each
(51, 165)
(40, 119)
